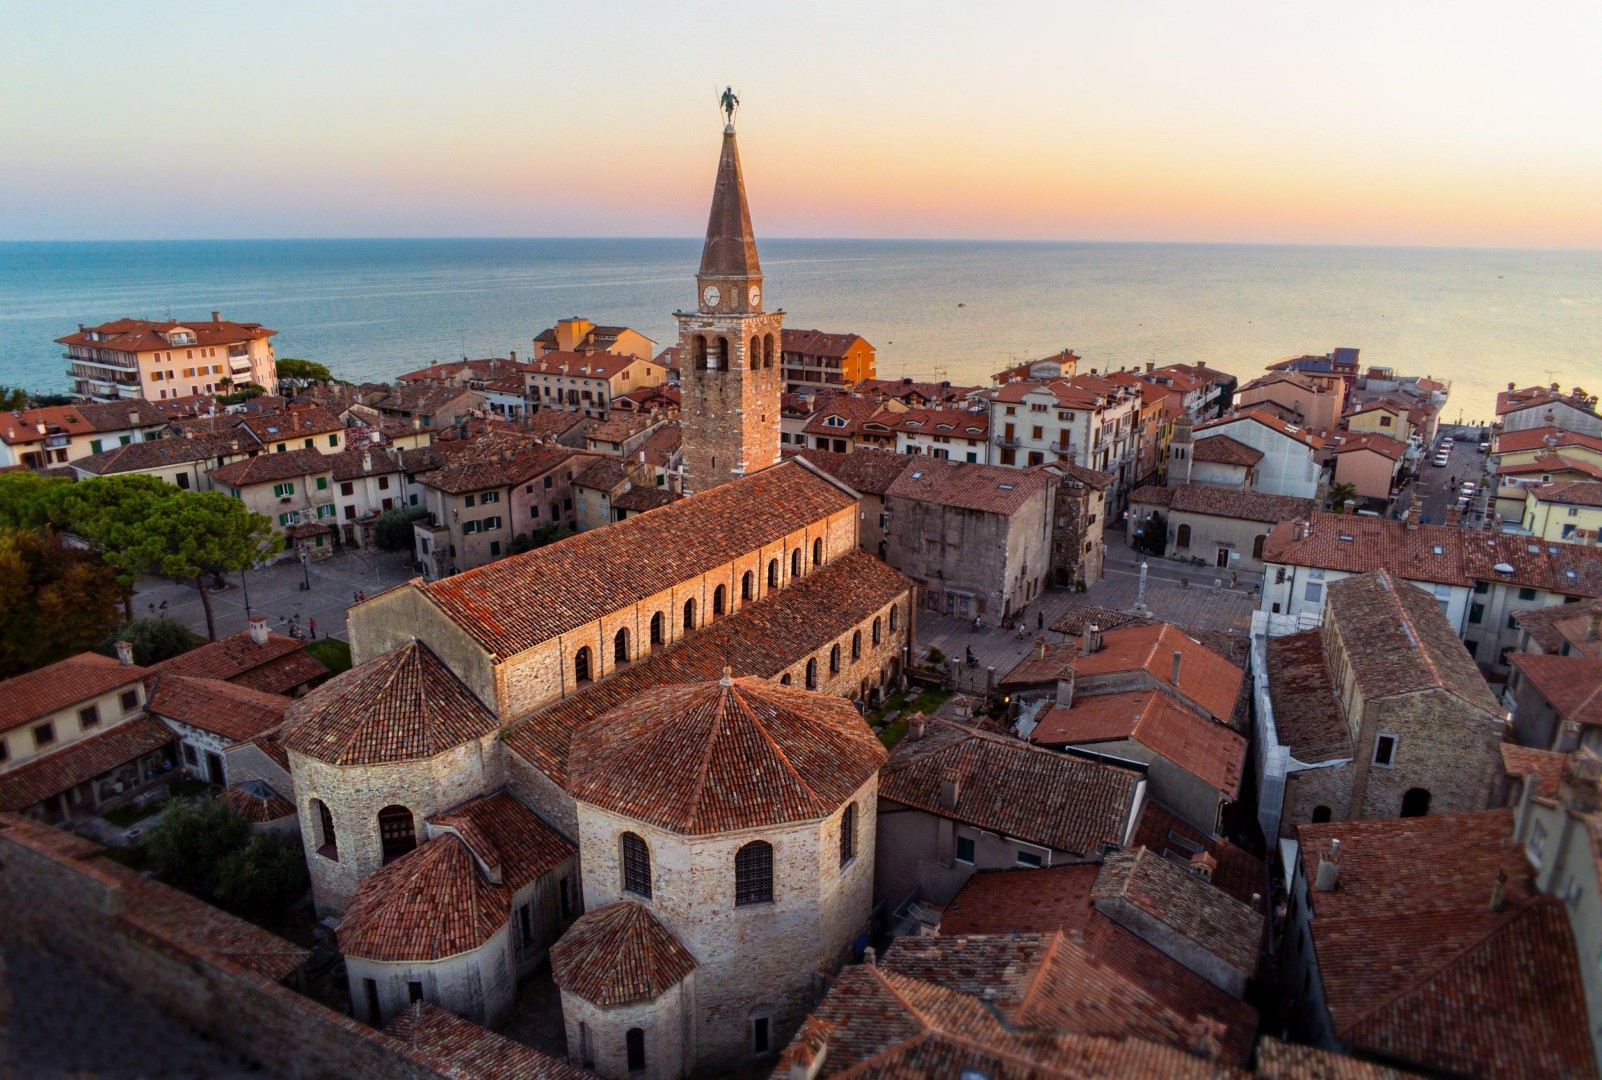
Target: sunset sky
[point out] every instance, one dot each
(1452, 124)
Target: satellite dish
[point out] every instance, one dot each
(1502, 568)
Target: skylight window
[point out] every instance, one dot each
(1003, 487)
(1345, 538)
(1438, 549)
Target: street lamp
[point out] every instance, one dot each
(244, 580)
(305, 585)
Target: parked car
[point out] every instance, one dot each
(1484, 447)
(1468, 487)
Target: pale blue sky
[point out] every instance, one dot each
(1443, 123)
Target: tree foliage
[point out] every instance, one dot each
(1152, 537)
(392, 531)
(187, 846)
(155, 639)
(26, 498)
(302, 372)
(545, 534)
(12, 398)
(58, 600)
(1339, 493)
(260, 880)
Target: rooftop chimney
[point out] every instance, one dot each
(125, 653)
(915, 727)
(1499, 891)
(1174, 677)
(1568, 737)
(1040, 648)
(133, 417)
(1202, 865)
(1090, 639)
(258, 629)
(950, 790)
(216, 316)
(1065, 687)
(1296, 530)
(1329, 868)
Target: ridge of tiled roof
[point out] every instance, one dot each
(403, 705)
(1571, 625)
(60, 685)
(1184, 903)
(751, 753)
(1238, 872)
(222, 708)
(457, 1047)
(603, 474)
(1223, 450)
(143, 335)
(817, 342)
(431, 903)
(591, 365)
(1240, 503)
(1009, 787)
(496, 461)
(267, 468)
(349, 464)
(867, 470)
(1206, 678)
(619, 955)
(1401, 642)
(1572, 684)
(281, 665)
(1268, 420)
(1545, 765)
(155, 454)
(507, 836)
(1383, 445)
(992, 489)
(508, 606)
(1512, 442)
(806, 616)
(1569, 493)
(294, 422)
(1203, 747)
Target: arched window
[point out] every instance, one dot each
(635, 1041)
(785, 680)
(856, 645)
(876, 629)
(812, 674)
(620, 647)
(1182, 537)
(848, 834)
(795, 563)
(747, 587)
(689, 614)
(1416, 802)
(1320, 814)
(753, 874)
(396, 831)
(581, 666)
(817, 553)
(327, 845)
(1257, 546)
(700, 352)
(756, 354)
(892, 620)
(719, 601)
(656, 629)
(773, 573)
(767, 351)
(834, 660)
(721, 356)
(636, 866)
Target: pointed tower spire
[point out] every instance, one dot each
(730, 250)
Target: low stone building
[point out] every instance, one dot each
(978, 537)
(1557, 701)
(209, 716)
(1079, 518)
(1227, 528)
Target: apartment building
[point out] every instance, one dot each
(820, 360)
(158, 361)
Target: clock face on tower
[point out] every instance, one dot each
(710, 296)
(755, 295)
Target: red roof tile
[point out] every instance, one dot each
(402, 706)
(271, 468)
(1203, 747)
(867, 471)
(83, 760)
(60, 686)
(509, 606)
(1544, 765)
(1237, 871)
(1511, 442)
(1205, 678)
(619, 955)
(279, 666)
(508, 837)
(256, 801)
(1306, 718)
(751, 754)
(1183, 903)
(1573, 493)
(1223, 450)
(457, 1047)
(991, 489)
(234, 712)
(143, 335)
(1572, 684)
(429, 904)
(1238, 503)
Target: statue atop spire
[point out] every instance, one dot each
(730, 104)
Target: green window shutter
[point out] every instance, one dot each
(333, 440)
(125, 439)
(322, 483)
(94, 446)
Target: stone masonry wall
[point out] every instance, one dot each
(731, 416)
(1307, 789)
(668, 1024)
(479, 985)
(1444, 745)
(879, 666)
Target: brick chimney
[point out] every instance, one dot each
(1065, 687)
(1329, 869)
(1173, 678)
(1202, 864)
(1090, 639)
(950, 790)
(258, 629)
(1499, 891)
(216, 316)
(125, 653)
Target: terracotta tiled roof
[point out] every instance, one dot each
(378, 461)
(510, 605)
(429, 904)
(1546, 766)
(619, 955)
(83, 760)
(1278, 1060)
(1416, 965)
(957, 423)
(868, 471)
(619, 428)
(235, 712)
(991, 489)
(272, 745)
(402, 706)
(1238, 872)
(271, 468)
(1183, 903)
(761, 639)
(1205, 678)
(155, 454)
(1267, 419)
(1577, 625)
(1383, 445)
(1358, 545)
(903, 389)
(1554, 464)
(643, 497)
(603, 474)
(1511, 442)
(143, 335)
(1223, 450)
(1534, 397)
(662, 444)
(457, 1047)
(488, 368)
(817, 342)
(1033, 795)
(1037, 902)
(256, 801)
(61, 685)
(498, 461)
(298, 422)
(1077, 619)
(1075, 476)
(592, 365)
(1306, 718)
(1152, 495)
(1573, 493)
(1164, 725)
(1400, 642)
(277, 667)
(750, 754)
(1571, 684)
(1238, 503)
(508, 837)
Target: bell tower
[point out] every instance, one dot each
(729, 369)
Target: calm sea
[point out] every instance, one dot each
(954, 310)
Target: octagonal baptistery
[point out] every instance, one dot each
(373, 753)
(740, 815)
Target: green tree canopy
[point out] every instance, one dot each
(260, 880)
(26, 498)
(302, 372)
(545, 534)
(1339, 493)
(58, 600)
(12, 398)
(188, 845)
(155, 639)
(392, 531)
(109, 513)
(192, 534)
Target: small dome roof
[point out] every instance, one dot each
(619, 955)
(720, 756)
(431, 903)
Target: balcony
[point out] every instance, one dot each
(239, 365)
(1007, 442)
(129, 392)
(131, 364)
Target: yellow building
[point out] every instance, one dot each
(581, 335)
(159, 361)
(1569, 512)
